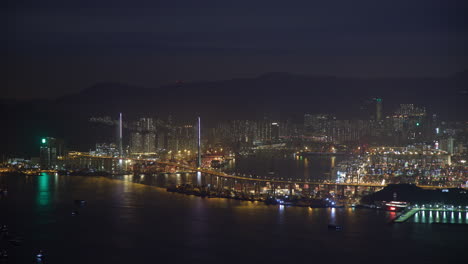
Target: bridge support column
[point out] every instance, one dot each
(356, 191)
(343, 190)
(290, 189)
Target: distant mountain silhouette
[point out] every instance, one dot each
(278, 95)
(273, 91)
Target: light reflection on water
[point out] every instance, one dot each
(43, 192)
(451, 217)
(199, 178)
(333, 215)
(145, 221)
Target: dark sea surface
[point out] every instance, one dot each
(128, 222)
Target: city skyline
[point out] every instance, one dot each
(259, 131)
(151, 133)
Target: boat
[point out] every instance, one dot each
(80, 202)
(40, 256)
(395, 206)
(335, 227)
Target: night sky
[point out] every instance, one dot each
(56, 47)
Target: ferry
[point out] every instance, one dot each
(395, 206)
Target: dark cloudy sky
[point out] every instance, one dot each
(55, 47)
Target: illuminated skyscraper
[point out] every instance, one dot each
(50, 149)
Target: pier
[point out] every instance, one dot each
(410, 212)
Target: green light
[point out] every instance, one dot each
(417, 124)
(43, 193)
(379, 99)
(43, 141)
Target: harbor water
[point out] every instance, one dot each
(128, 222)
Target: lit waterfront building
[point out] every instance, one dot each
(50, 149)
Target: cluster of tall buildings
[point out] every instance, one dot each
(407, 124)
(404, 125)
(149, 135)
(252, 132)
(143, 136)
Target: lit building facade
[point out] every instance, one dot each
(50, 149)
